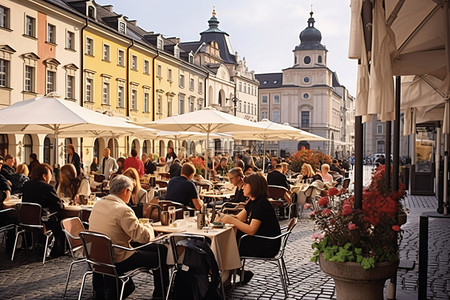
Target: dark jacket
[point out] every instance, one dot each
(277, 178)
(8, 172)
(18, 180)
(76, 161)
(175, 170)
(149, 167)
(39, 191)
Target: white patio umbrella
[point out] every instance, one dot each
(276, 132)
(50, 115)
(208, 121)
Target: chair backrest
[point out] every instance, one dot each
(277, 192)
(29, 214)
(85, 213)
(346, 183)
(99, 252)
(179, 207)
(99, 178)
(161, 183)
(292, 224)
(177, 250)
(9, 217)
(72, 228)
(152, 211)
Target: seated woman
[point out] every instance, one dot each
(75, 187)
(39, 190)
(326, 177)
(139, 195)
(19, 178)
(307, 172)
(258, 218)
(94, 165)
(236, 177)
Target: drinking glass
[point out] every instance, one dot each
(186, 214)
(171, 211)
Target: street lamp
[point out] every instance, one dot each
(235, 99)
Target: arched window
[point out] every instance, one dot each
(27, 147)
(47, 150)
(113, 145)
(192, 150)
(145, 147)
(67, 141)
(96, 149)
(162, 149)
(319, 59)
(3, 144)
(220, 99)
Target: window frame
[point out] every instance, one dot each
(29, 82)
(106, 52)
(305, 119)
(120, 95)
(134, 62)
(88, 91)
(70, 94)
(4, 17)
(51, 33)
(120, 57)
(106, 93)
(47, 82)
(30, 26)
(89, 46)
(5, 73)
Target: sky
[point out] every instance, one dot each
(263, 31)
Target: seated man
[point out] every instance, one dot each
(182, 189)
(276, 177)
(175, 168)
(112, 216)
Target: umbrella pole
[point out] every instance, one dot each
(207, 155)
(445, 179)
(55, 150)
(264, 156)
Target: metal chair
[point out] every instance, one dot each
(152, 211)
(277, 259)
(4, 214)
(98, 249)
(179, 207)
(72, 228)
(30, 220)
(280, 199)
(85, 213)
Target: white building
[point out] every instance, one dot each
(308, 96)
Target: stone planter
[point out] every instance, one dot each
(402, 218)
(354, 283)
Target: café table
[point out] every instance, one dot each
(223, 241)
(215, 195)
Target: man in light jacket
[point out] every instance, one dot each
(109, 164)
(112, 216)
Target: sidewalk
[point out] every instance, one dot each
(27, 278)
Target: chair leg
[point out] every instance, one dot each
(70, 272)
(123, 288)
(46, 245)
(82, 284)
(241, 279)
(283, 264)
(170, 283)
(15, 243)
(162, 282)
(283, 283)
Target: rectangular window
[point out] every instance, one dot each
(276, 116)
(191, 105)
(106, 52)
(379, 129)
(169, 107)
(240, 86)
(181, 80)
(169, 74)
(245, 107)
(305, 119)
(4, 73)
(264, 99)
(191, 84)
(120, 96)
(264, 115)
(133, 100)
(134, 62)
(70, 85)
(146, 67)
(158, 71)
(89, 46)
(105, 93)
(29, 79)
(30, 26)
(159, 104)
(120, 58)
(276, 98)
(89, 89)
(51, 83)
(200, 87)
(4, 17)
(51, 33)
(146, 102)
(181, 104)
(199, 104)
(122, 27)
(70, 40)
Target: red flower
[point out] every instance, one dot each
(333, 191)
(307, 206)
(313, 213)
(326, 212)
(396, 228)
(323, 201)
(351, 226)
(347, 210)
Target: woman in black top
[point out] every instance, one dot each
(258, 218)
(236, 177)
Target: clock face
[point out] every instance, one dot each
(307, 60)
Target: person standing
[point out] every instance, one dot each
(73, 158)
(170, 156)
(134, 162)
(109, 164)
(33, 162)
(112, 216)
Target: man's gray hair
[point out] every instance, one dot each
(119, 183)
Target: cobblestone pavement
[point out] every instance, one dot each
(27, 278)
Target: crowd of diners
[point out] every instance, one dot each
(114, 215)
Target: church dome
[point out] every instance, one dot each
(310, 37)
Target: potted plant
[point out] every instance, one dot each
(359, 248)
(315, 159)
(199, 165)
